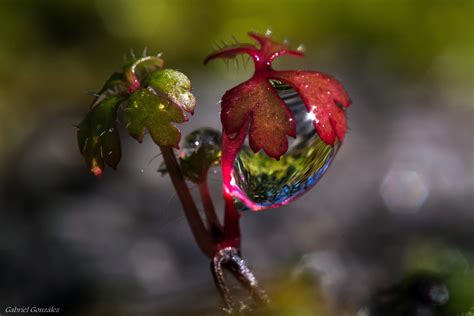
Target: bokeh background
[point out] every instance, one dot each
(396, 205)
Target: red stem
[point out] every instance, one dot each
(230, 150)
(231, 224)
(201, 235)
(209, 210)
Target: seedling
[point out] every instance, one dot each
(280, 132)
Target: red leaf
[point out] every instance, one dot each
(271, 121)
(231, 51)
(269, 49)
(262, 57)
(321, 94)
(256, 102)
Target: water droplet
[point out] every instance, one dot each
(111, 130)
(438, 294)
(200, 151)
(311, 116)
(260, 182)
(199, 138)
(301, 48)
(161, 107)
(268, 32)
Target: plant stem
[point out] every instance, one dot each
(209, 210)
(231, 224)
(230, 150)
(201, 235)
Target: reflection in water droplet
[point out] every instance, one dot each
(261, 182)
(438, 294)
(201, 137)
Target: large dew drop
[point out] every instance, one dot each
(261, 182)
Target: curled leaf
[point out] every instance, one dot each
(175, 86)
(139, 69)
(97, 136)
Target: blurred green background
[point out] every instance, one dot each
(121, 245)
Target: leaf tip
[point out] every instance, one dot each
(97, 171)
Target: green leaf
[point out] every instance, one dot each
(146, 109)
(114, 86)
(155, 99)
(175, 86)
(196, 165)
(97, 136)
